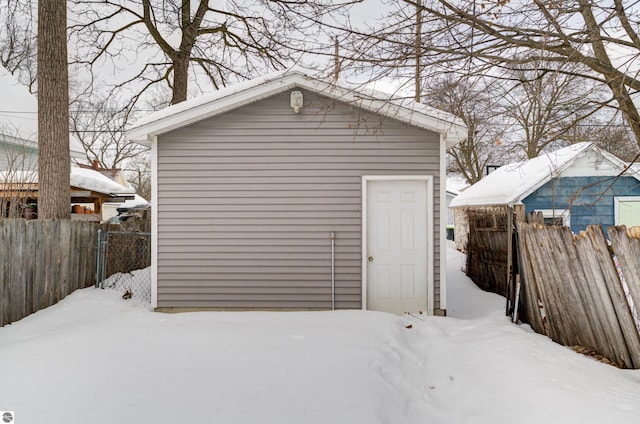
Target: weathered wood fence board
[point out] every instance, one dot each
(577, 283)
(488, 248)
(626, 246)
(529, 295)
(41, 262)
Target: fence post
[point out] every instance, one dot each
(98, 258)
(510, 295)
(105, 256)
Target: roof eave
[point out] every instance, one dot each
(452, 130)
(143, 134)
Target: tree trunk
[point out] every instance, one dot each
(180, 79)
(53, 111)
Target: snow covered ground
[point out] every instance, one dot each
(95, 358)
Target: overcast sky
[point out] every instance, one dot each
(18, 108)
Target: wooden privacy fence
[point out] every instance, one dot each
(41, 262)
(572, 291)
(488, 247)
(578, 290)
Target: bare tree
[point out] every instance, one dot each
(138, 172)
(174, 42)
(474, 103)
(18, 39)
(600, 38)
(99, 127)
(544, 106)
(53, 111)
(612, 135)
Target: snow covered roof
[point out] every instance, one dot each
(188, 112)
(456, 184)
(90, 179)
(136, 201)
(86, 179)
(509, 184)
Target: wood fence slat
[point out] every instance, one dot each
(579, 301)
(80, 253)
(551, 299)
(29, 265)
(48, 265)
(592, 249)
(4, 273)
(40, 278)
(16, 282)
(626, 247)
(529, 310)
(627, 250)
(64, 261)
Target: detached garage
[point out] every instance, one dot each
(292, 193)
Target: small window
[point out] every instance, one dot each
(627, 210)
(556, 217)
(553, 222)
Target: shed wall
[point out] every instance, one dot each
(589, 199)
(247, 200)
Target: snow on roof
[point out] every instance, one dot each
(90, 179)
(86, 179)
(456, 184)
(190, 111)
(136, 201)
(511, 183)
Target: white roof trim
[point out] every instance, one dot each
(191, 111)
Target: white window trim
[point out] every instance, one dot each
(616, 206)
(557, 213)
(428, 179)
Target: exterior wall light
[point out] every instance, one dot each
(296, 101)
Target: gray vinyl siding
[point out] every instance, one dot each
(247, 200)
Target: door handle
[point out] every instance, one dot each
(370, 258)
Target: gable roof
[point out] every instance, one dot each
(191, 111)
(509, 184)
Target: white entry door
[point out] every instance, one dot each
(396, 250)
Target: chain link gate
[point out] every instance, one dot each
(123, 263)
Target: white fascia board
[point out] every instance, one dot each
(449, 126)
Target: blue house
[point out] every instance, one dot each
(575, 186)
